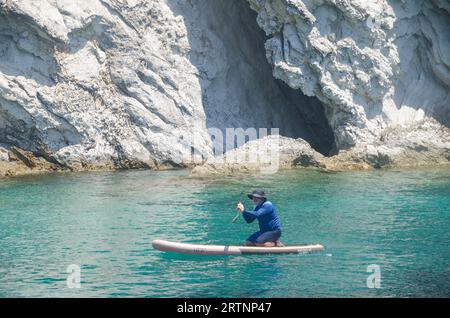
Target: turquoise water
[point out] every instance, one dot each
(104, 223)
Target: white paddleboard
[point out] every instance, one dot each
(185, 248)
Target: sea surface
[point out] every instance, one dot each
(386, 234)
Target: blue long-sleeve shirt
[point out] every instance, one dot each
(266, 215)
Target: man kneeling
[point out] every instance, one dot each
(269, 224)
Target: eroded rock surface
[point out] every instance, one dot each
(374, 64)
(266, 155)
(400, 147)
(109, 84)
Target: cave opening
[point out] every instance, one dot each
(238, 87)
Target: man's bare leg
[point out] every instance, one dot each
(248, 243)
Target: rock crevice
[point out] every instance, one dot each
(108, 84)
(368, 62)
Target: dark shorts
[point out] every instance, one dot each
(263, 237)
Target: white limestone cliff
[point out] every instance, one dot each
(98, 82)
(108, 84)
(373, 64)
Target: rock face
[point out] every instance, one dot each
(374, 64)
(98, 83)
(265, 155)
(108, 84)
(425, 144)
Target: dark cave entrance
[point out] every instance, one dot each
(238, 88)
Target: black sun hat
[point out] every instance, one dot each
(257, 194)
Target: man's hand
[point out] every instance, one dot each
(240, 207)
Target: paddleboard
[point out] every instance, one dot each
(186, 248)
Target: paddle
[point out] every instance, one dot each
(238, 213)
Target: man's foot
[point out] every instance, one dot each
(266, 244)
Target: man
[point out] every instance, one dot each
(269, 223)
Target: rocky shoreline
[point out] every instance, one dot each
(107, 85)
(400, 148)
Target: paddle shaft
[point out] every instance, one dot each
(237, 215)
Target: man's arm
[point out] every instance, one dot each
(248, 217)
(264, 209)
